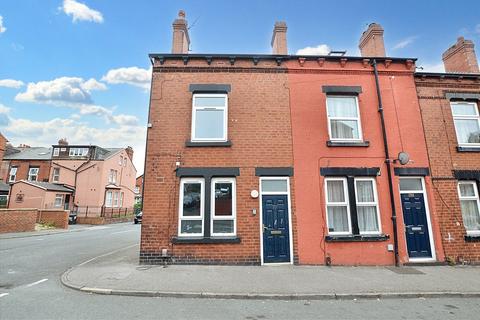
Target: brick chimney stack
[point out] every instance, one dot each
(371, 42)
(181, 40)
(461, 57)
(63, 142)
(279, 38)
(129, 151)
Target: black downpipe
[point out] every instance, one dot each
(388, 163)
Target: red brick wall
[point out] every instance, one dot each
(442, 148)
(59, 218)
(17, 220)
(24, 165)
(260, 132)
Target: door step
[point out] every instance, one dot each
(425, 264)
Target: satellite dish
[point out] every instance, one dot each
(403, 158)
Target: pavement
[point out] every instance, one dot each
(118, 273)
(46, 232)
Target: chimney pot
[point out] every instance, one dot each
(371, 42)
(279, 38)
(181, 40)
(129, 151)
(461, 57)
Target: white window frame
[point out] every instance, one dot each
(108, 199)
(58, 196)
(121, 199)
(465, 117)
(56, 177)
(12, 173)
(338, 204)
(369, 204)
(225, 118)
(474, 197)
(56, 152)
(30, 174)
(202, 207)
(78, 152)
(115, 199)
(329, 118)
(214, 217)
(112, 176)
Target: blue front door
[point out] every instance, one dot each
(416, 226)
(276, 240)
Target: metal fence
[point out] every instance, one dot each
(105, 212)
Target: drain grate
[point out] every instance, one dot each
(405, 270)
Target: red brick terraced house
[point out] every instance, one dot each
(362, 179)
(218, 183)
(450, 109)
(260, 159)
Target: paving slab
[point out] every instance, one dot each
(119, 273)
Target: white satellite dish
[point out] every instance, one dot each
(403, 158)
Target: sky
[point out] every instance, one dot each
(79, 69)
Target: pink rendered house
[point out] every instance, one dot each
(103, 178)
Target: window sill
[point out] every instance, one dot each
(185, 240)
(468, 149)
(357, 238)
(331, 143)
(472, 238)
(208, 143)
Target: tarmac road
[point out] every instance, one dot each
(30, 288)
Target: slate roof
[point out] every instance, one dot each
(4, 187)
(32, 153)
(48, 186)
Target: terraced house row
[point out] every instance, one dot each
(336, 159)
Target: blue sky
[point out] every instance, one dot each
(79, 68)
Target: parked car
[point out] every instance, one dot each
(72, 218)
(138, 217)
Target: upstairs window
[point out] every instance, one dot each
(78, 152)
(56, 174)
(467, 123)
(56, 152)
(33, 174)
(343, 118)
(209, 117)
(112, 176)
(470, 206)
(13, 174)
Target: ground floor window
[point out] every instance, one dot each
(470, 206)
(58, 201)
(3, 200)
(114, 199)
(221, 219)
(352, 206)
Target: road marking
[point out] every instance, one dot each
(123, 231)
(4, 294)
(39, 239)
(36, 282)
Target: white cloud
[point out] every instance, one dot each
(405, 42)
(4, 109)
(92, 84)
(320, 50)
(432, 67)
(46, 133)
(2, 27)
(132, 75)
(62, 91)
(10, 83)
(81, 12)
